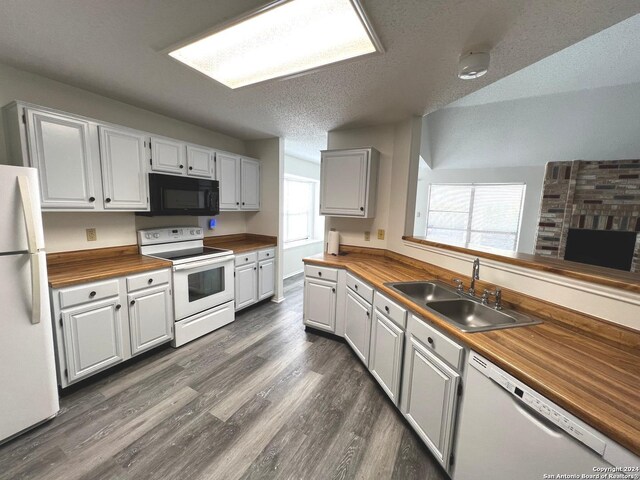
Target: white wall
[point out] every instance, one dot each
(268, 221)
(66, 231)
(292, 257)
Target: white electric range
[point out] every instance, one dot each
(203, 285)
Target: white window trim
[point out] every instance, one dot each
(471, 205)
(313, 227)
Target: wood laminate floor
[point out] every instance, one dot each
(258, 399)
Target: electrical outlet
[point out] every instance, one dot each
(367, 236)
(380, 234)
(92, 236)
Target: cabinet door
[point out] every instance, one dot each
(122, 157)
(266, 279)
(228, 176)
(59, 148)
(385, 356)
(167, 155)
(200, 162)
(320, 304)
(343, 183)
(150, 318)
(246, 285)
(429, 397)
(92, 337)
(357, 326)
(250, 184)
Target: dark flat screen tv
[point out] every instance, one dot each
(605, 248)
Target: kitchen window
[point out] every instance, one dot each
(300, 212)
(477, 215)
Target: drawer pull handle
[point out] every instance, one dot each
(386, 308)
(132, 302)
(92, 294)
(118, 307)
(267, 254)
(430, 340)
(246, 259)
(319, 274)
(367, 314)
(333, 290)
(150, 281)
(356, 287)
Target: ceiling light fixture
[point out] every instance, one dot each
(282, 39)
(473, 65)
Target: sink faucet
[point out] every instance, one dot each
(475, 275)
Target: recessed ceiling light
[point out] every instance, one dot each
(282, 39)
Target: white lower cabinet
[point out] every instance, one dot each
(150, 318)
(93, 337)
(357, 326)
(94, 332)
(255, 277)
(320, 304)
(429, 396)
(246, 285)
(385, 354)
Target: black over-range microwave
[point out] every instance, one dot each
(172, 195)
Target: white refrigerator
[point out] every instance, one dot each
(28, 389)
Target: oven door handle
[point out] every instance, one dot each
(202, 263)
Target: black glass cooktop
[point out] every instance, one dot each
(189, 253)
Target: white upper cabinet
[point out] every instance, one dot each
(123, 161)
(167, 155)
(228, 176)
(59, 147)
(250, 184)
(348, 182)
(200, 162)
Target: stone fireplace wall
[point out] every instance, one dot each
(595, 195)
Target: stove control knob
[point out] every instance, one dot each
(156, 235)
(198, 232)
(147, 235)
(192, 232)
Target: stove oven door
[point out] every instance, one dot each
(201, 285)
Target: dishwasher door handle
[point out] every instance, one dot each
(534, 417)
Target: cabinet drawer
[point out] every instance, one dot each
(88, 292)
(266, 254)
(432, 339)
(147, 279)
(361, 288)
(391, 310)
(246, 258)
(321, 272)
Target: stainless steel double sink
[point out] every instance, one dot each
(464, 312)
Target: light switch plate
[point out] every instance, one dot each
(92, 236)
(380, 234)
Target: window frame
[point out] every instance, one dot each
(468, 229)
(311, 213)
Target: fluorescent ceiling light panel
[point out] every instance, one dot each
(282, 39)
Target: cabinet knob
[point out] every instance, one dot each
(246, 259)
(254, 268)
(362, 209)
(237, 203)
(92, 294)
(92, 199)
(430, 340)
(181, 166)
(356, 287)
(118, 307)
(333, 290)
(132, 302)
(243, 203)
(367, 314)
(260, 267)
(108, 200)
(386, 308)
(267, 254)
(150, 281)
(190, 168)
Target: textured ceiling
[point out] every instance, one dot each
(112, 48)
(607, 59)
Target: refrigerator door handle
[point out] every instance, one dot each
(29, 218)
(36, 285)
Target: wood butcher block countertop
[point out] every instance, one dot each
(240, 243)
(72, 268)
(588, 366)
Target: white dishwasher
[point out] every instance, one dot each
(508, 431)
